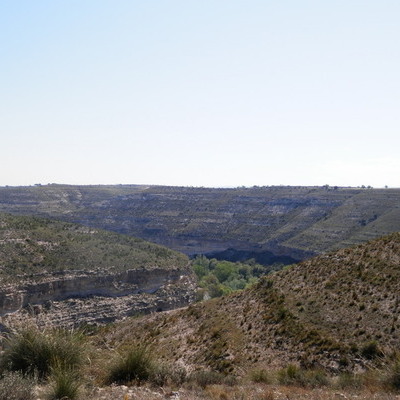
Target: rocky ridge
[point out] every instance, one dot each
(90, 299)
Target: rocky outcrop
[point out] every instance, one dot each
(76, 297)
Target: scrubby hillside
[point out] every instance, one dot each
(354, 293)
(58, 268)
(270, 224)
(30, 245)
(291, 335)
(339, 311)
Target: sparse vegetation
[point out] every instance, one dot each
(259, 330)
(392, 378)
(337, 312)
(293, 375)
(15, 386)
(31, 246)
(349, 381)
(260, 376)
(206, 377)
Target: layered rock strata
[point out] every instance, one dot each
(74, 298)
(269, 224)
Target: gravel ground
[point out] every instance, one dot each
(220, 392)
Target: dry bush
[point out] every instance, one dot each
(164, 374)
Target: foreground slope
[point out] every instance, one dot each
(67, 274)
(339, 311)
(353, 293)
(254, 222)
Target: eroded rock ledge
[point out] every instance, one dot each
(74, 298)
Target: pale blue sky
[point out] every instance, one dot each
(200, 93)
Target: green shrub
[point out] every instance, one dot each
(371, 350)
(347, 380)
(290, 375)
(392, 380)
(315, 378)
(293, 375)
(205, 378)
(64, 384)
(135, 365)
(33, 352)
(14, 386)
(260, 376)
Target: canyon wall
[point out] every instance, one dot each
(294, 222)
(76, 297)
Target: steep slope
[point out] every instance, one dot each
(352, 293)
(45, 263)
(295, 222)
(339, 311)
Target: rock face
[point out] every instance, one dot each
(66, 274)
(294, 222)
(77, 297)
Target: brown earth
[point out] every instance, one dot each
(324, 312)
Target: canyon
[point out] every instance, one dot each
(273, 224)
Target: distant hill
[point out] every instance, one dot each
(339, 311)
(44, 263)
(270, 224)
(31, 245)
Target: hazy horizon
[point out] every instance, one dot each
(200, 187)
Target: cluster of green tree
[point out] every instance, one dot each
(217, 278)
